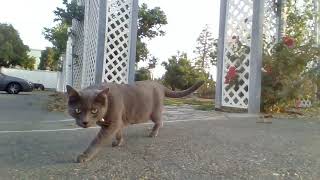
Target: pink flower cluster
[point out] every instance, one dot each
(289, 41)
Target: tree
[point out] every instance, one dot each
(142, 74)
(28, 63)
(58, 36)
(180, 74)
(48, 59)
(150, 22)
(72, 11)
(152, 62)
(12, 50)
(206, 49)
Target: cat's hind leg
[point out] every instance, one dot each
(156, 117)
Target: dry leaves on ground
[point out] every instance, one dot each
(57, 102)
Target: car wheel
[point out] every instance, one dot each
(42, 88)
(13, 88)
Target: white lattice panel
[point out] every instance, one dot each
(303, 103)
(117, 41)
(91, 23)
(77, 59)
(237, 52)
(62, 78)
(316, 27)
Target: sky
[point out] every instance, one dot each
(185, 22)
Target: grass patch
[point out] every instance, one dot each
(198, 104)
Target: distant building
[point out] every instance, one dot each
(36, 53)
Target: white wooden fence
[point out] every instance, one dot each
(48, 78)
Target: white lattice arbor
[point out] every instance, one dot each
(102, 47)
(245, 26)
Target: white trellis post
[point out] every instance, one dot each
(255, 62)
(68, 59)
(317, 37)
(101, 41)
(316, 22)
(61, 75)
(222, 29)
(281, 18)
(62, 80)
(240, 48)
(133, 41)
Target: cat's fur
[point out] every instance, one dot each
(114, 106)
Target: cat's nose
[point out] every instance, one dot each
(85, 123)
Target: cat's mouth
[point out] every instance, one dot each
(82, 124)
(85, 125)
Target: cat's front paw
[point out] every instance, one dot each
(153, 134)
(82, 158)
(117, 143)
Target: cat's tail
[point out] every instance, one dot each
(179, 94)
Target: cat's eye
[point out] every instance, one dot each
(77, 110)
(94, 111)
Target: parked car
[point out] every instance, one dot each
(38, 86)
(14, 85)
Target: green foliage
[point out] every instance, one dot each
(142, 53)
(12, 50)
(150, 22)
(290, 71)
(71, 11)
(206, 49)
(208, 89)
(28, 63)
(49, 60)
(58, 36)
(142, 74)
(180, 73)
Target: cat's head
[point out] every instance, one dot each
(87, 106)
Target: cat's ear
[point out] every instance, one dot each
(71, 92)
(102, 95)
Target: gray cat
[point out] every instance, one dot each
(115, 106)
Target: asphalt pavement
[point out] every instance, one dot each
(36, 144)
